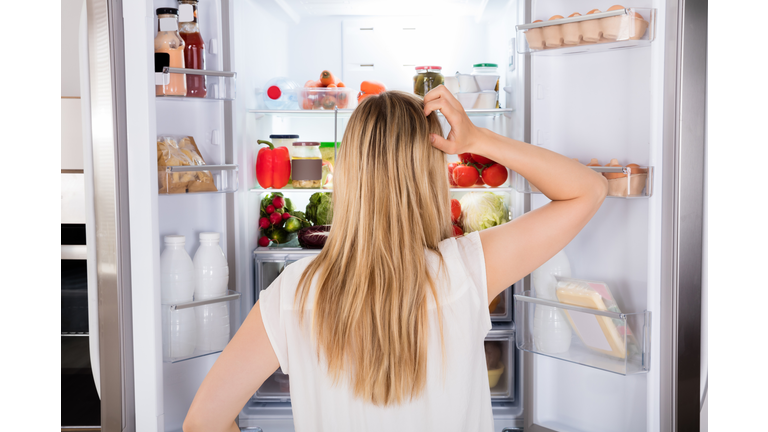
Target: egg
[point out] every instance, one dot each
(615, 7)
(593, 162)
(537, 21)
(593, 11)
(635, 169)
(556, 17)
(575, 14)
(610, 176)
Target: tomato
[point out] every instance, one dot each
(451, 167)
(457, 231)
(466, 157)
(480, 179)
(495, 175)
(465, 175)
(455, 210)
(482, 160)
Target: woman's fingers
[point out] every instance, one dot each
(442, 144)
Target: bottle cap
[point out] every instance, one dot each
(490, 65)
(283, 136)
(306, 144)
(167, 11)
(174, 239)
(209, 236)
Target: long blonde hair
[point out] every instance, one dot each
(391, 203)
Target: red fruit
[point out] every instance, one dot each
(480, 179)
(275, 218)
(465, 175)
(278, 202)
(263, 241)
(451, 167)
(286, 215)
(263, 223)
(466, 157)
(495, 175)
(270, 209)
(455, 210)
(457, 231)
(482, 160)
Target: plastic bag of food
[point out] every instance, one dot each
(181, 152)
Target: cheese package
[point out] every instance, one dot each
(600, 333)
(182, 151)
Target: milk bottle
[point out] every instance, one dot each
(551, 330)
(211, 279)
(177, 285)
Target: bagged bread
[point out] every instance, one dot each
(183, 152)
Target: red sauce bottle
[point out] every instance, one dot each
(194, 48)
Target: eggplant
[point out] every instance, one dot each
(314, 237)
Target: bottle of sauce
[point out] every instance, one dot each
(194, 47)
(169, 41)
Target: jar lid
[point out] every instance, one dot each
(167, 11)
(429, 67)
(493, 65)
(328, 144)
(306, 143)
(283, 136)
(174, 239)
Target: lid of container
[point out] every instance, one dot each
(174, 239)
(283, 136)
(209, 236)
(328, 144)
(488, 65)
(306, 143)
(167, 11)
(429, 67)
(274, 92)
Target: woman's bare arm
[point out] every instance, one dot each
(240, 370)
(517, 248)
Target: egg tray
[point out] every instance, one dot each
(618, 29)
(624, 184)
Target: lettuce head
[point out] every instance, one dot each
(481, 210)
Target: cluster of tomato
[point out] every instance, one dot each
(476, 170)
(455, 216)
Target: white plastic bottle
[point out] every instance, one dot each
(211, 279)
(177, 285)
(279, 94)
(551, 330)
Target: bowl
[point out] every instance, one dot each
(467, 100)
(487, 82)
(467, 83)
(322, 98)
(494, 375)
(451, 83)
(486, 100)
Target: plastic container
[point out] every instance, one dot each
(467, 100)
(211, 278)
(212, 327)
(284, 140)
(572, 31)
(535, 37)
(427, 78)
(487, 76)
(280, 94)
(486, 100)
(306, 165)
(551, 331)
(500, 361)
(451, 83)
(467, 83)
(322, 98)
(177, 285)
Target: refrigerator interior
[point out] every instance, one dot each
(300, 39)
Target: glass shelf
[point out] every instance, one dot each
(346, 113)
(611, 341)
(183, 346)
(604, 31)
(478, 188)
(220, 85)
(628, 185)
(197, 179)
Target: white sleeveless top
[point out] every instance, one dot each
(459, 400)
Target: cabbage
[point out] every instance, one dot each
(481, 210)
(319, 208)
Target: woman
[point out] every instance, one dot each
(384, 328)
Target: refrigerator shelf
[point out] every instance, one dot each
(346, 113)
(632, 185)
(626, 353)
(219, 85)
(604, 31)
(176, 180)
(176, 346)
(478, 188)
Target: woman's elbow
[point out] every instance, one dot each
(192, 423)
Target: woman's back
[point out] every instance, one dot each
(456, 395)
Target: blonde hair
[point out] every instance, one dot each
(391, 203)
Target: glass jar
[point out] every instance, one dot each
(168, 41)
(306, 165)
(427, 78)
(194, 47)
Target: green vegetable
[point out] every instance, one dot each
(267, 200)
(292, 224)
(288, 205)
(319, 210)
(481, 210)
(302, 218)
(279, 235)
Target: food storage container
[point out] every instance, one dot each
(500, 362)
(553, 35)
(284, 140)
(501, 307)
(486, 100)
(486, 75)
(328, 151)
(451, 83)
(323, 98)
(306, 165)
(591, 30)
(572, 31)
(467, 83)
(638, 26)
(535, 37)
(427, 78)
(467, 100)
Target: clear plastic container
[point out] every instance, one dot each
(306, 165)
(487, 76)
(284, 140)
(500, 361)
(323, 98)
(280, 94)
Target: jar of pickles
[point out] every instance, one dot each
(306, 165)
(427, 78)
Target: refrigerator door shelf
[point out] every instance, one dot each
(503, 376)
(615, 30)
(197, 179)
(346, 113)
(589, 342)
(631, 185)
(219, 85)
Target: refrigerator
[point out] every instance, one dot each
(636, 98)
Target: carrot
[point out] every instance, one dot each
(331, 86)
(340, 84)
(362, 96)
(372, 87)
(327, 78)
(312, 83)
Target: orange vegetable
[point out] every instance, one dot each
(372, 87)
(361, 96)
(331, 86)
(340, 84)
(326, 78)
(312, 83)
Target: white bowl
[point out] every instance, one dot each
(451, 83)
(467, 83)
(487, 82)
(467, 100)
(486, 100)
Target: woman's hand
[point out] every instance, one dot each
(464, 134)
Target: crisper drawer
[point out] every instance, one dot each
(500, 361)
(275, 389)
(501, 307)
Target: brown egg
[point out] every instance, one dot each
(635, 169)
(537, 21)
(593, 162)
(556, 17)
(593, 11)
(610, 176)
(615, 7)
(575, 14)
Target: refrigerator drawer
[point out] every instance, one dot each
(611, 341)
(500, 350)
(501, 307)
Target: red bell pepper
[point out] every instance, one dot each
(273, 166)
